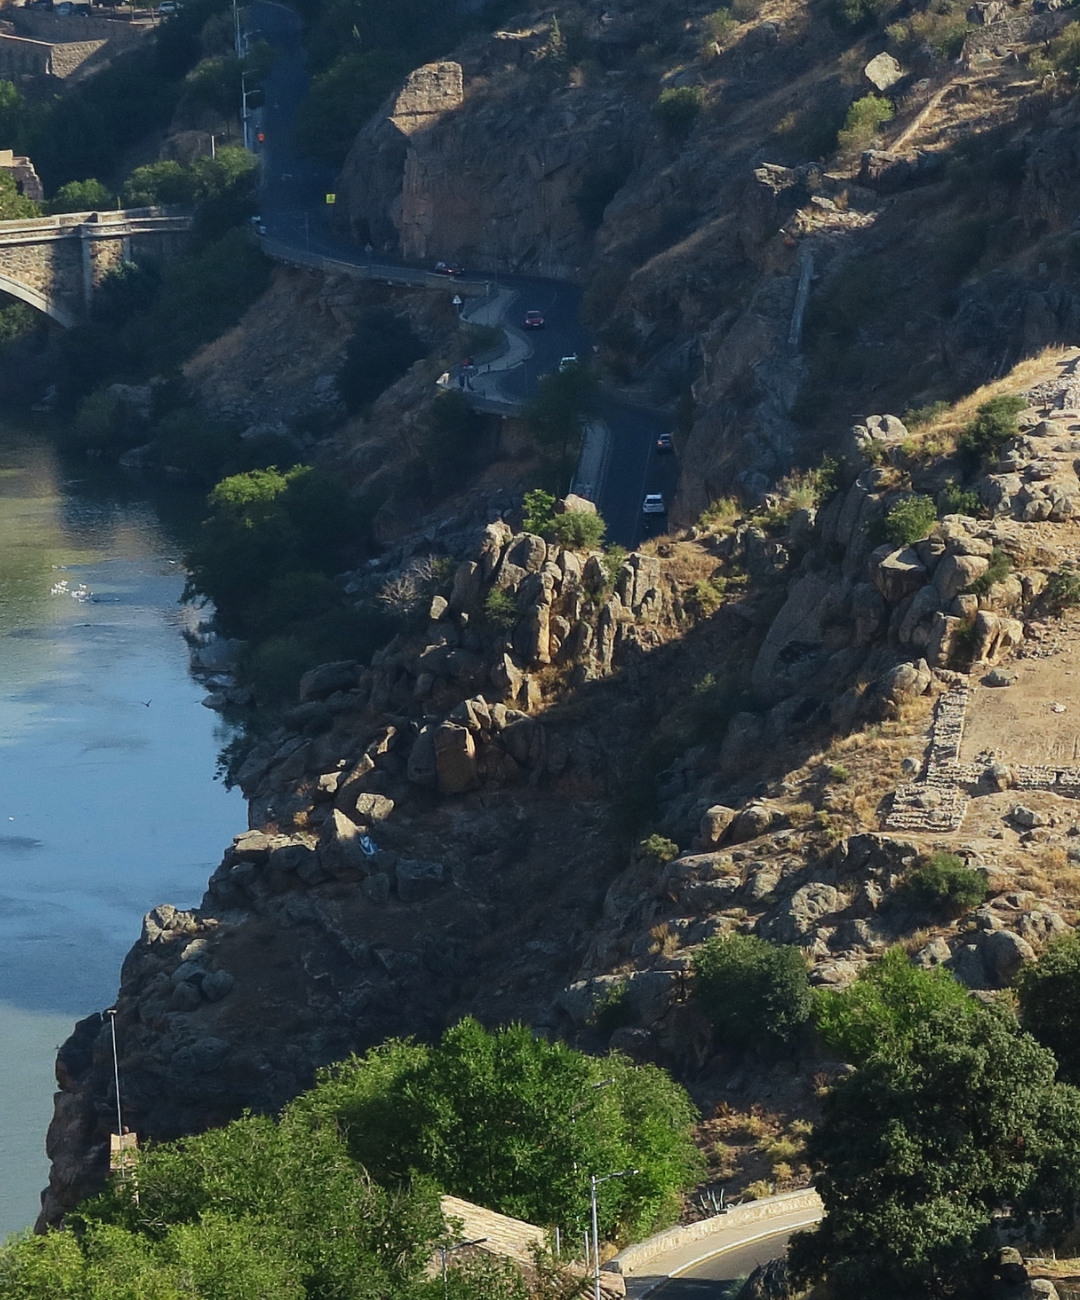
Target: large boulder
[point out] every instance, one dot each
(800, 915)
(326, 679)
(754, 820)
(897, 573)
(1003, 954)
(714, 824)
(955, 573)
(883, 71)
(455, 759)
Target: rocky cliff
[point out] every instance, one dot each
(795, 711)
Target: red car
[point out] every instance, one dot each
(534, 320)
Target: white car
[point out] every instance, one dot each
(653, 505)
(566, 362)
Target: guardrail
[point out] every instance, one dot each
(292, 256)
(633, 1257)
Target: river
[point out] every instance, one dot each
(107, 799)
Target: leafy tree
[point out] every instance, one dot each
(942, 884)
(13, 205)
(538, 511)
(1049, 992)
(922, 1148)
(452, 442)
(81, 196)
(910, 519)
(753, 991)
(517, 1123)
(383, 346)
(557, 413)
(886, 1007)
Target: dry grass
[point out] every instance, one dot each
(665, 941)
(939, 437)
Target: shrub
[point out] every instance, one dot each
(677, 109)
(578, 530)
(917, 417)
(500, 610)
(885, 1008)
(720, 514)
(705, 596)
(751, 990)
(839, 774)
(910, 520)
(613, 1010)
(719, 25)
(942, 885)
(997, 570)
(1049, 994)
(955, 500)
(658, 849)
(81, 196)
(994, 424)
(538, 511)
(1063, 588)
(861, 123)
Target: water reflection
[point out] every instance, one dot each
(107, 803)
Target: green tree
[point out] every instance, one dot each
(13, 205)
(81, 196)
(752, 991)
(1049, 993)
(886, 1007)
(557, 413)
(921, 1149)
(517, 1123)
(383, 346)
(864, 117)
(538, 511)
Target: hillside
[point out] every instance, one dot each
(829, 708)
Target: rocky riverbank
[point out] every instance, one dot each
(447, 829)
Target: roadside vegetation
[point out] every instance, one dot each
(340, 1195)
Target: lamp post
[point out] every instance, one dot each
(594, 1183)
(449, 1250)
(111, 1013)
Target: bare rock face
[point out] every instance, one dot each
(449, 168)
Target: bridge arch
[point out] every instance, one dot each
(37, 300)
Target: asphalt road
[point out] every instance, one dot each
(720, 1276)
(294, 211)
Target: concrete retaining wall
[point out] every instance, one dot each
(633, 1257)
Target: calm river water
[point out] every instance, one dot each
(107, 799)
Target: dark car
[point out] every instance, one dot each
(665, 443)
(534, 320)
(449, 268)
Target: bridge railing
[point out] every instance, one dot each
(114, 221)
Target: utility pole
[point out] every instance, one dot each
(594, 1183)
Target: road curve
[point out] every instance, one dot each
(718, 1275)
(294, 212)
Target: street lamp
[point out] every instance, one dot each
(111, 1013)
(449, 1250)
(594, 1183)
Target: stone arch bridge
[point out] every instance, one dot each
(56, 263)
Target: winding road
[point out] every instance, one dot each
(295, 215)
